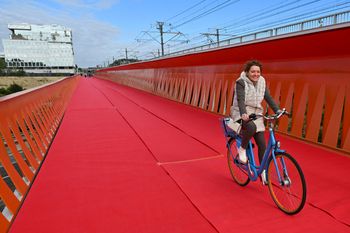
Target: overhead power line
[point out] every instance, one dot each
(251, 21)
(259, 13)
(207, 12)
(216, 34)
(199, 11)
(162, 41)
(186, 10)
(254, 19)
(306, 15)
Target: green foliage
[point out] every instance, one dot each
(5, 72)
(123, 61)
(2, 66)
(14, 87)
(2, 63)
(3, 91)
(19, 73)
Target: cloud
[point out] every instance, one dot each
(94, 41)
(91, 4)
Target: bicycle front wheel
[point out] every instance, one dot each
(238, 175)
(289, 190)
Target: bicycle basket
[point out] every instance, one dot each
(228, 131)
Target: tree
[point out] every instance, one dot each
(14, 87)
(2, 63)
(123, 61)
(2, 66)
(3, 91)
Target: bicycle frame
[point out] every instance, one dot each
(288, 193)
(251, 169)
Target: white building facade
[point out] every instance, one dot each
(39, 48)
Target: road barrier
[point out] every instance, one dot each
(28, 123)
(308, 73)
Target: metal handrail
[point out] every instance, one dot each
(329, 20)
(28, 122)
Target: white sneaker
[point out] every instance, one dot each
(263, 177)
(242, 155)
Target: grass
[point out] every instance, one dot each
(26, 82)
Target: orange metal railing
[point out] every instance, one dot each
(308, 74)
(28, 123)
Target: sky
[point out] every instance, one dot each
(104, 29)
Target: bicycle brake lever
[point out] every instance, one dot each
(252, 116)
(285, 112)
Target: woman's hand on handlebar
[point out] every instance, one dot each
(245, 117)
(282, 111)
(253, 116)
(278, 114)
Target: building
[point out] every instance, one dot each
(39, 49)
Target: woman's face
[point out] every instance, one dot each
(254, 73)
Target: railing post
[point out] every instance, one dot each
(31, 117)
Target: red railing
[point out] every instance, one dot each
(28, 123)
(309, 74)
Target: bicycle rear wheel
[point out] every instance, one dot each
(290, 193)
(237, 173)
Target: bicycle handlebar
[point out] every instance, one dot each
(270, 117)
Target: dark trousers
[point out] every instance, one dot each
(248, 131)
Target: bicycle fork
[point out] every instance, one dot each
(285, 180)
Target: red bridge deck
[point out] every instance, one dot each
(128, 161)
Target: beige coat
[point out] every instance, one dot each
(254, 95)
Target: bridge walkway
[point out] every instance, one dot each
(124, 160)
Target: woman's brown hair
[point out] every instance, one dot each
(251, 63)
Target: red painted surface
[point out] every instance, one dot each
(28, 122)
(125, 160)
(308, 74)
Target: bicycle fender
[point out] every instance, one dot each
(279, 151)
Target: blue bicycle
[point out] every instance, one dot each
(284, 176)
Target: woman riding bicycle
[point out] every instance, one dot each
(250, 90)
